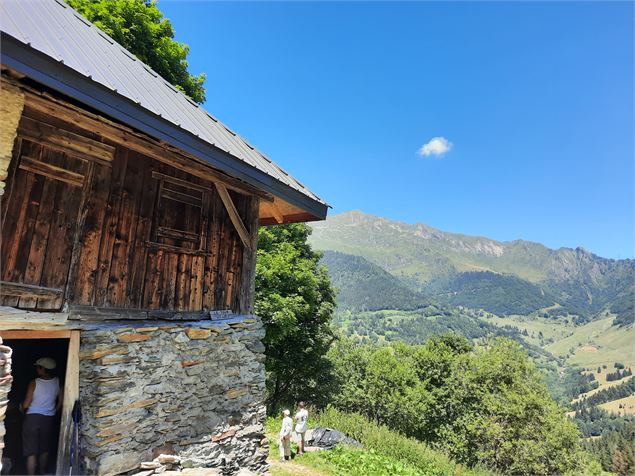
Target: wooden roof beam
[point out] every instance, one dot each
(275, 212)
(49, 105)
(234, 216)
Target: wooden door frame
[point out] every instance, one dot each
(71, 385)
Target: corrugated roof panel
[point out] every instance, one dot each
(55, 29)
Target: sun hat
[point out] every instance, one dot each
(46, 362)
(286, 412)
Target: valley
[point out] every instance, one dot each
(572, 311)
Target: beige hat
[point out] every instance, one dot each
(286, 412)
(46, 362)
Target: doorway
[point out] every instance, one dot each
(25, 353)
(29, 346)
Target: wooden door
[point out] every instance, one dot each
(40, 215)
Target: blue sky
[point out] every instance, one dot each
(536, 100)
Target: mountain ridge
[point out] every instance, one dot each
(428, 259)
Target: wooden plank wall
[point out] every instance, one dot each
(98, 224)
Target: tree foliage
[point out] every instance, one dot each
(618, 375)
(482, 406)
(140, 27)
(500, 294)
(364, 286)
(616, 450)
(595, 421)
(624, 307)
(392, 444)
(295, 299)
(567, 384)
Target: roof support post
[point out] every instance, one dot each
(11, 106)
(234, 216)
(248, 272)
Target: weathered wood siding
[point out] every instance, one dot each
(86, 221)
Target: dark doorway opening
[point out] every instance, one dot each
(25, 353)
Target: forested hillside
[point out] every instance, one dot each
(364, 286)
(496, 293)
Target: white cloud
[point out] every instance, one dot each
(437, 147)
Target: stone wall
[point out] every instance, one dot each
(195, 390)
(5, 388)
(11, 105)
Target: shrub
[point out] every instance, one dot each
(353, 461)
(387, 443)
(483, 406)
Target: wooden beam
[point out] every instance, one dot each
(69, 142)
(70, 396)
(35, 334)
(48, 105)
(181, 197)
(84, 209)
(248, 272)
(173, 234)
(21, 319)
(93, 313)
(176, 249)
(275, 211)
(51, 171)
(234, 216)
(180, 182)
(295, 218)
(28, 291)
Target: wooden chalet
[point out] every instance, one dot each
(129, 221)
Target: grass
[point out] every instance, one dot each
(613, 345)
(580, 335)
(354, 461)
(603, 384)
(550, 328)
(385, 452)
(598, 344)
(589, 346)
(627, 403)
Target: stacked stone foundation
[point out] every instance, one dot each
(5, 387)
(195, 390)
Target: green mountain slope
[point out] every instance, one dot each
(496, 293)
(529, 276)
(364, 286)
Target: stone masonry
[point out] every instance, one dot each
(195, 390)
(11, 105)
(5, 388)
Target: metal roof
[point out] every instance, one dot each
(52, 43)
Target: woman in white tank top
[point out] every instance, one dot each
(42, 401)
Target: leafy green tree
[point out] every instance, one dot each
(501, 415)
(140, 27)
(483, 406)
(295, 300)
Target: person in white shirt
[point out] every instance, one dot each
(301, 420)
(285, 435)
(42, 401)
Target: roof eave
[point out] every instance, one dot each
(59, 77)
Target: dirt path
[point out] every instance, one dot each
(289, 468)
